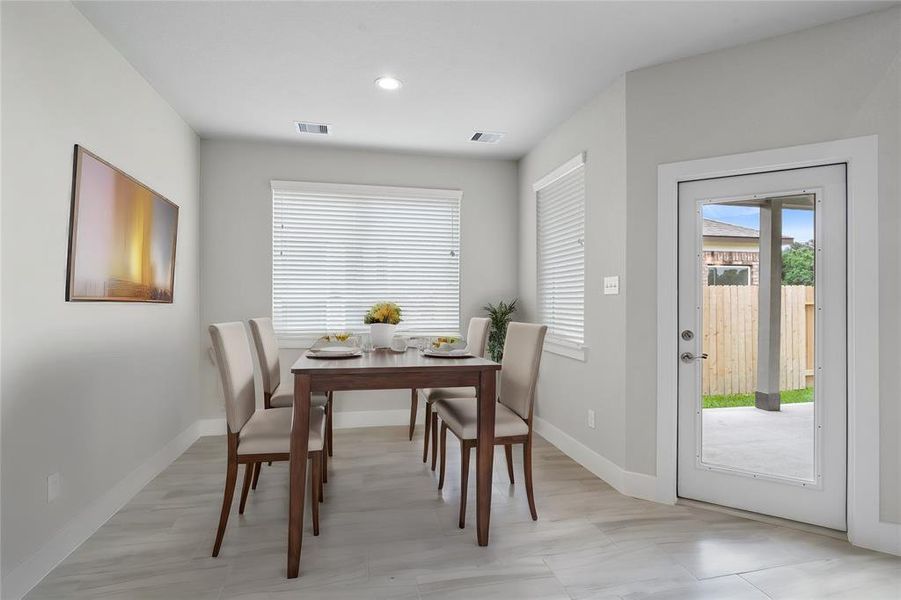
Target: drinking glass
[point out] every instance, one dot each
(365, 342)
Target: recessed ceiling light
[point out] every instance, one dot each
(388, 83)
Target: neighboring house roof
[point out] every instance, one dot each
(719, 229)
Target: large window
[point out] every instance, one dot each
(560, 198)
(338, 249)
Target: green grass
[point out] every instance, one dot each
(729, 400)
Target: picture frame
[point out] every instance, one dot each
(123, 236)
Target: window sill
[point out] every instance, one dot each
(569, 351)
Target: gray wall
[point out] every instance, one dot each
(89, 390)
(236, 231)
(836, 81)
(568, 388)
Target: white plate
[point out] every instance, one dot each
(452, 354)
(334, 352)
(335, 348)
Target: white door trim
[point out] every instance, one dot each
(861, 154)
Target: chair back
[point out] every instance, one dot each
(477, 335)
(519, 367)
(266, 344)
(232, 350)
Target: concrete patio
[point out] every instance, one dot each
(773, 443)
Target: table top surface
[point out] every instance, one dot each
(384, 360)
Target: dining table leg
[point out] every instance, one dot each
(300, 440)
(487, 401)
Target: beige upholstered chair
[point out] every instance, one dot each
(256, 436)
(477, 339)
(513, 423)
(278, 393)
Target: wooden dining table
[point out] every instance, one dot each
(384, 369)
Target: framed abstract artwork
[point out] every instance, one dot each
(122, 236)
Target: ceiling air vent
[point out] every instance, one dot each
(486, 137)
(314, 128)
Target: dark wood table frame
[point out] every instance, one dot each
(385, 370)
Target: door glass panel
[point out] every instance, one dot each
(758, 309)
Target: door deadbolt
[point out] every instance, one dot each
(688, 335)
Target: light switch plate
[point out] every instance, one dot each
(611, 285)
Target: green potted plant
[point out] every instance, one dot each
(382, 319)
(500, 315)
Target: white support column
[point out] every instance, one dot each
(769, 308)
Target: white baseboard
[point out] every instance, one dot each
(881, 536)
(637, 485)
(214, 426)
(640, 485)
(372, 418)
(30, 572)
(343, 420)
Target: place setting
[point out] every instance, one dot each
(446, 347)
(343, 345)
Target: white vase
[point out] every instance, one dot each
(381, 334)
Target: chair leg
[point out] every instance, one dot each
(434, 439)
(257, 467)
(443, 455)
(319, 480)
(414, 404)
(315, 487)
(508, 450)
(248, 476)
(324, 466)
(527, 469)
(464, 480)
(428, 428)
(231, 476)
(322, 479)
(329, 425)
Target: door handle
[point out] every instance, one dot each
(688, 357)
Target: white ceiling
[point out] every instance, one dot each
(250, 69)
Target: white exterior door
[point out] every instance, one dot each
(762, 322)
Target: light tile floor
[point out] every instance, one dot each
(388, 533)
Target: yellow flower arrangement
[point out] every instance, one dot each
(383, 312)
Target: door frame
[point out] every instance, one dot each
(861, 155)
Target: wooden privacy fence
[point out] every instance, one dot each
(730, 338)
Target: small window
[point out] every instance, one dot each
(560, 200)
(728, 275)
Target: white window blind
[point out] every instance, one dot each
(339, 249)
(560, 203)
